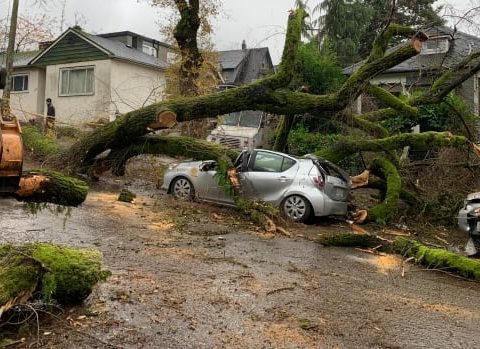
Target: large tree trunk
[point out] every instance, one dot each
(5, 111)
(282, 132)
(267, 95)
(185, 34)
(125, 136)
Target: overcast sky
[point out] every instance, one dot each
(259, 22)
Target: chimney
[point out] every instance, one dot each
(44, 44)
(244, 45)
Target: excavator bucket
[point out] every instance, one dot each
(11, 155)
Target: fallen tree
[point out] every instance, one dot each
(126, 135)
(430, 257)
(47, 272)
(46, 186)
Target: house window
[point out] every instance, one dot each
(435, 45)
(76, 81)
(20, 83)
(149, 50)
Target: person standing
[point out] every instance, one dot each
(50, 119)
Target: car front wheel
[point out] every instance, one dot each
(297, 208)
(183, 189)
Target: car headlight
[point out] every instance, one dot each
(173, 165)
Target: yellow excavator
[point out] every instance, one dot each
(11, 150)
(11, 155)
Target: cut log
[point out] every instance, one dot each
(51, 187)
(164, 119)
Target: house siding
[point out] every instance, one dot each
(78, 110)
(133, 86)
(27, 104)
(71, 49)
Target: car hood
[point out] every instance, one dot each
(235, 131)
(193, 167)
(473, 196)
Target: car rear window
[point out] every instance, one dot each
(331, 170)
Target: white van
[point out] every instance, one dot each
(242, 130)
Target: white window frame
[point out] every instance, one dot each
(149, 50)
(441, 45)
(68, 69)
(28, 82)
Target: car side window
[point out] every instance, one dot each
(287, 163)
(268, 162)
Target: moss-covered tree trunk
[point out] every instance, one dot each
(52, 187)
(185, 34)
(282, 132)
(268, 95)
(271, 95)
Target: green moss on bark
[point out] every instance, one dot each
(350, 240)
(56, 272)
(184, 147)
(438, 258)
(386, 170)
(59, 189)
(74, 272)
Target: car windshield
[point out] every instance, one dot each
(251, 118)
(231, 119)
(246, 118)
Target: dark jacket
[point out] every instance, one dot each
(50, 110)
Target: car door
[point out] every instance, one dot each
(207, 187)
(268, 175)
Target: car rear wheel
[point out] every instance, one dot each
(182, 189)
(297, 208)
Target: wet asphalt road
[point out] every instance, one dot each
(187, 275)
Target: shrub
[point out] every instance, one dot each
(436, 117)
(301, 142)
(37, 143)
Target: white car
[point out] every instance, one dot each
(300, 187)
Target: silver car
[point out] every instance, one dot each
(300, 187)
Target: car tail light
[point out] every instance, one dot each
(318, 180)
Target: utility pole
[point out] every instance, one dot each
(9, 62)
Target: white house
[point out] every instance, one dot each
(90, 77)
